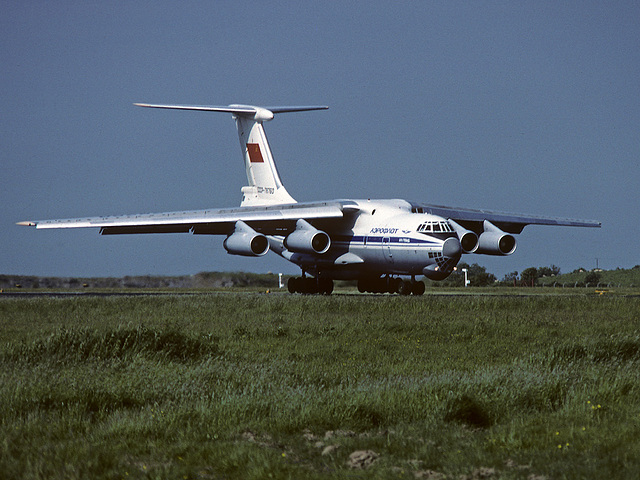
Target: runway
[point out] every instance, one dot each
(427, 294)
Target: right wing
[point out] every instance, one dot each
(473, 219)
(269, 220)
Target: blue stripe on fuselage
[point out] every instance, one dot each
(360, 239)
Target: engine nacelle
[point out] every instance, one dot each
(246, 241)
(468, 239)
(307, 239)
(494, 241)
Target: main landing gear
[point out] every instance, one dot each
(388, 284)
(323, 286)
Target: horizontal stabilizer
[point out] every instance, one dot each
(258, 113)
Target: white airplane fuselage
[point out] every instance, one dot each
(383, 237)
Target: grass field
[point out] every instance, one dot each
(245, 385)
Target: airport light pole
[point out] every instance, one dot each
(466, 280)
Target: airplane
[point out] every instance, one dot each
(383, 244)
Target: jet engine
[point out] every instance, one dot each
(468, 239)
(246, 241)
(493, 241)
(307, 239)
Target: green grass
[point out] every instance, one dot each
(258, 386)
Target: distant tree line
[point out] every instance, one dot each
(200, 280)
(529, 276)
(477, 275)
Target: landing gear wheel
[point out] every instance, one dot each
(325, 286)
(404, 287)
(418, 288)
(310, 285)
(292, 285)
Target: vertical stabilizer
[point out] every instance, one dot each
(265, 186)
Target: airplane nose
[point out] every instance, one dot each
(451, 248)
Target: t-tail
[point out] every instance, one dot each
(264, 184)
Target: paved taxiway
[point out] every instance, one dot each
(465, 293)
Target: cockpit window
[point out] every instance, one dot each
(435, 227)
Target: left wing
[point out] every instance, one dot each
(508, 222)
(269, 220)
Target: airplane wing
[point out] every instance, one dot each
(269, 220)
(507, 222)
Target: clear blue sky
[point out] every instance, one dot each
(526, 107)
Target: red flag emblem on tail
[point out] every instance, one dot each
(254, 153)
